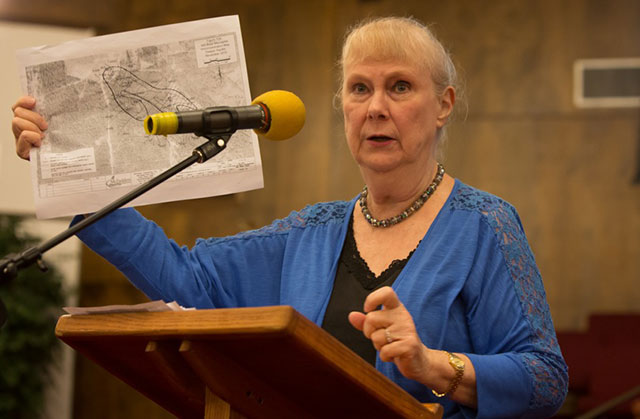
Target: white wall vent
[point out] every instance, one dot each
(606, 83)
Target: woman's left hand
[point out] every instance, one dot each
(393, 333)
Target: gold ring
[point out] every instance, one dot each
(388, 336)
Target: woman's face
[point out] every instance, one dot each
(392, 114)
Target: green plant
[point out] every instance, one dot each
(27, 340)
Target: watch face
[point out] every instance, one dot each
(457, 363)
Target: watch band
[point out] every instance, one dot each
(458, 366)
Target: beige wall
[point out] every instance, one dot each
(569, 172)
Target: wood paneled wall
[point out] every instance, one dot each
(569, 172)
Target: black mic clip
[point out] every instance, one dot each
(217, 120)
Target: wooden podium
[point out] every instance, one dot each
(268, 362)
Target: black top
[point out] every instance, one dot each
(354, 282)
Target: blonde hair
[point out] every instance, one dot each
(403, 39)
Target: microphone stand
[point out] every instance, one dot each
(12, 263)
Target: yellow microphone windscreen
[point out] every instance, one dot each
(287, 114)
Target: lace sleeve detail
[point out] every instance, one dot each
(312, 215)
(545, 363)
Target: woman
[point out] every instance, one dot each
(436, 278)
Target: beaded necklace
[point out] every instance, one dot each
(414, 207)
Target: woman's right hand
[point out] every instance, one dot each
(27, 126)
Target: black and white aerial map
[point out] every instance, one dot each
(95, 94)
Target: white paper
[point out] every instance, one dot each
(152, 306)
(95, 94)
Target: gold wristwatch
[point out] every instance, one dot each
(458, 366)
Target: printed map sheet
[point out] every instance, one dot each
(95, 94)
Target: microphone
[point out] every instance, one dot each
(276, 115)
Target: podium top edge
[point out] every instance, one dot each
(276, 320)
